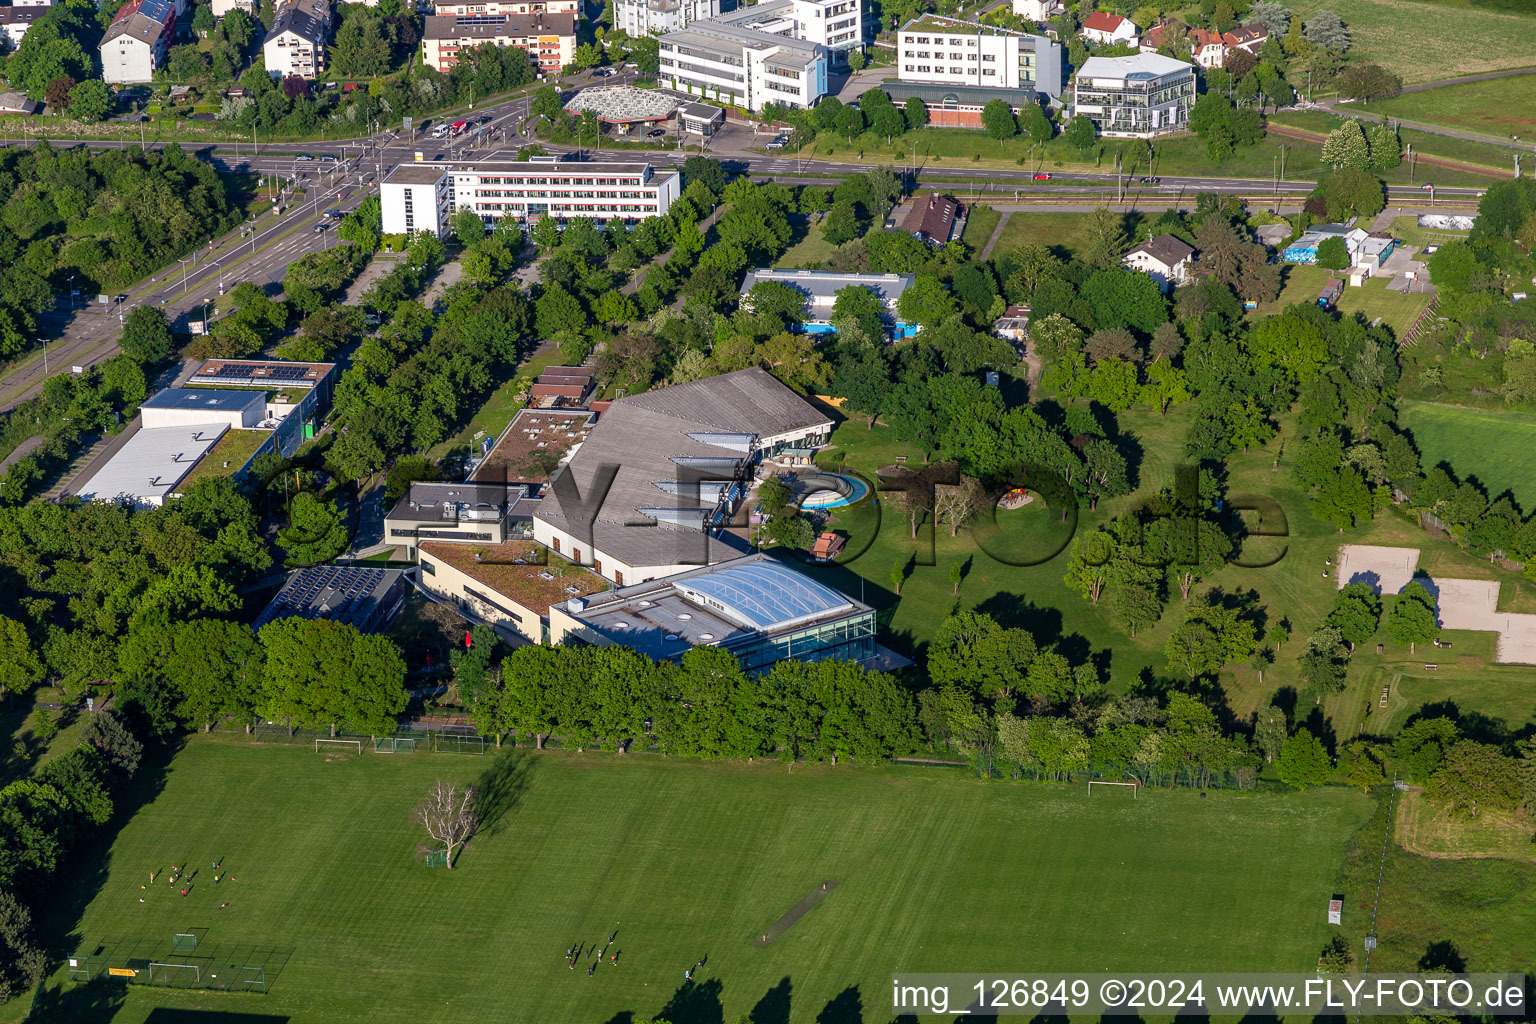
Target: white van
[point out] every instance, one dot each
(440, 132)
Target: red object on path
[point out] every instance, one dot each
(466, 639)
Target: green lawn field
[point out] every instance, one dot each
(1492, 446)
(935, 872)
(1398, 310)
(1500, 106)
(1429, 40)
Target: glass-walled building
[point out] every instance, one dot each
(1134, 97)
(756, 607)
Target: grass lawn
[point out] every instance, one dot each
(1407, 229)
(684, 860)
(1372, 299)
(1428, 40)
(808, 249)
(1058, 230)
(1494, 447)
(1502, 106)
(980, 222)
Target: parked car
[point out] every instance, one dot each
(656, 133)
(1042, 176)
(777, 143)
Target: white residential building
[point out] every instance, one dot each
(1165, 258)
(493, 7)
(1101, 27)
(1134, 97)
(14, 22)
(1038, 10)
(422, 196)
(548, 39)
(223, 7)
(657, 17)
(296, 44)
(135, 44)
(950, 52)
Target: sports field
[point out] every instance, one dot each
(687, 860)
(1491, 445)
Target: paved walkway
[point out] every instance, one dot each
(1459, 604)
(997, 232)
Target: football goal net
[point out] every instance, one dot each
(325, 744)
(1132, 786)
(175, 975)
(458, 743)
(394, 745)
(184, 942)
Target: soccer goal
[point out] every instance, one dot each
(175, 975)
(324, 744)
(458, 743)
(1133, 786)
(394, 745)
(184, 942)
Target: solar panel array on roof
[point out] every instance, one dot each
(763, 595)
(342, 593)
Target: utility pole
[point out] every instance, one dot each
(1410, 163)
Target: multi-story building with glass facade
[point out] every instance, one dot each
(1134, 97)
(756, 607)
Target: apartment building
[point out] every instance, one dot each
(775, 52)
(296, 45)
(422, 196)
(469, 7)
(14, 22)
(548, 39)
(657, 17)
(135, 44)
(953, 53)
(1135, 97)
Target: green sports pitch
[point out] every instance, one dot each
(935, 871)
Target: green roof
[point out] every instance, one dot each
(955, 26)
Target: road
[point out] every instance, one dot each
(262, 254)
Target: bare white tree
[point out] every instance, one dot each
(448, 815)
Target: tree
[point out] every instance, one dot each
(1356, 613)
(90, 100)
(915, 112)
(850, 122)
(1367, 81)
(22, 962)
(1475, 777)
(1303, 761)
(1346, 147)
(1080, 134)
(842, 224)
(1386, 148)
(320, 672)
(1269, 732)
(216, 667)
(1453, 267)
(1324, 661)
(448, 815)
(360, 48)
(1326, 30)
(1272, 14)
(1105, 242)
(20, 667)
(315, 531)
(203, 21)
(111, 738)
(1412, 620)
(997, 118)
(546, 103)
(1333, 254)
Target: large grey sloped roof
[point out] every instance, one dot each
(640, 484)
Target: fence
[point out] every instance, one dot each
(444, 736)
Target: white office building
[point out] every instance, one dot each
(494, 7)
(657, 17)
(422, 196)
(1135, 97)
(775, 52)
(951, 52)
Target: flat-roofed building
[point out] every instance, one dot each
(422, 196)
(150, 465)
(509, 586)
(298, 395)
(1135, 97)
(968, 56)
(548, 39)
(640, 18)
(756, 607)
(469, 7)
(775, 52)
(820, 288)
(179, 407)
(464, 513)
(534, 445)
(650, 492)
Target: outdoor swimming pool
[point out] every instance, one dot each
(850, 490)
